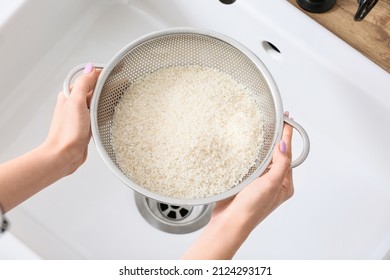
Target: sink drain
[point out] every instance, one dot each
(178, 219)
(174, 212)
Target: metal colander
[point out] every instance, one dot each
(184, 47)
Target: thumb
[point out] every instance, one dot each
(281, 163)
(85, 84)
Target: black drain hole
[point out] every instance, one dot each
(172, 215)
(163, 207)
(183, 212)
(174, 212)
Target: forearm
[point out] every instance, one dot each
(63, 151)
(220, 240)
(28, 174)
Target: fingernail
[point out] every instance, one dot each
(283, 146)
(286, 114)
(88, 68)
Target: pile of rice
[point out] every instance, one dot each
(187, 132)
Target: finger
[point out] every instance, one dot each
(89, 98)
(85, 84)
(287, 138)
(281, 164)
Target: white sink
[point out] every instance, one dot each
(12, 248)
(341, 206)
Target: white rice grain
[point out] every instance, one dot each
(187, 132)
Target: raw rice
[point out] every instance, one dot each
(187, 132)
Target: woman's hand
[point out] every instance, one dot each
(233, 219)
(70, 130)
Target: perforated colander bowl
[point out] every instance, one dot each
(184, 47)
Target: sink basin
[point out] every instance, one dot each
(341, 205)
(12, 248)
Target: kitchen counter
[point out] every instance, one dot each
(371, 36)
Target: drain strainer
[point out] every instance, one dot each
(177, 219)
(174, 212)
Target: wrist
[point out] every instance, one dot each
(62, 160)
(28, 174)
(236, 226)
(220, 239)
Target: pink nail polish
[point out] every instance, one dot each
(286, 114)
(283, 146)
(88, 68)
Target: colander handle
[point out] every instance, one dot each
(305, 139)
(72, 73)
